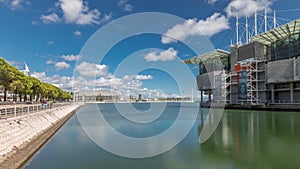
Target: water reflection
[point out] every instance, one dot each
(243, 139)
(255, 139)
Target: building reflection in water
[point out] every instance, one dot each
(255, 138)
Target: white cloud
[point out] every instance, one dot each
(50, 18)
(62, 65)
(63, 82)
(123, 4)
(77, 11)
(106, 17)
(191, 27)
(212, 1)
(70, 58)
(165, 55)
(77, 33)
(49, 62)
(144, 77)
(34, 22)
(39, 75)
(123, 86)
(50, 42)
(74, 12)
(128, 7)
(17, 64)
(137, 77)
(247, 8)
(15, 4)
(92, 70)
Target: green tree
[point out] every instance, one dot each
(27, 90)
(13, 80)
(7, 76)
(36, 88)
(17, 86)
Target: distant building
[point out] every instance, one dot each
(95, 96)
(26, 71)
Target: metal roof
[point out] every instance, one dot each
(208, 56)
(278, 33)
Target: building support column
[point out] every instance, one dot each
(272, 93)
(201, 96)
(292, 92)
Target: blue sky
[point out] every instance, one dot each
(49, 35)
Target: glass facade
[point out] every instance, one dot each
(285, 48)
(211, 64)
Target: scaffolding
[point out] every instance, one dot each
(225, 83)
(252, 85)
(255, 76)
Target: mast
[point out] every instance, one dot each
(237, 30)
(255, 23)
(275, 22)
(266, 26)
(247, 31)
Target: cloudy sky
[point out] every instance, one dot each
(49, 35)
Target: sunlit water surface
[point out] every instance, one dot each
(243, 140)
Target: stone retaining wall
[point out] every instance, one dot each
(22, 136)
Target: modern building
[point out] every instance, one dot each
(264, 73)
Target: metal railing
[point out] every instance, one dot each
(8, 111)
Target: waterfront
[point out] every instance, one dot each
(243, 139)
(23, 134)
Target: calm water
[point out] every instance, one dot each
(243, 139)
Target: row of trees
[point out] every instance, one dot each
(11, 79)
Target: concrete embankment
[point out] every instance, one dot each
(262, 106)
(22, 136)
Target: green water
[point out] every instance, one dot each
(243, 140)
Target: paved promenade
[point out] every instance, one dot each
(13, 110)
